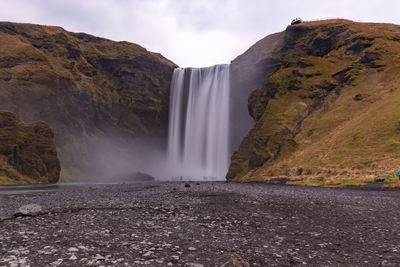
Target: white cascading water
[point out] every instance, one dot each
(199, 123)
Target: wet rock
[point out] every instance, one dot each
(28, 210)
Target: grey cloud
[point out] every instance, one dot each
(190, 33)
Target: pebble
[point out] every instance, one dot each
(147, 254)
(192, 249)
(98, 257)
(73, 257)
(72, 249)
(56, 263)
(175, 258)
(276, 255)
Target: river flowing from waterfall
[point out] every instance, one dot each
(198, 135)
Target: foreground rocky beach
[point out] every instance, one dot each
(198, 224)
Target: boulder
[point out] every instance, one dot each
(27, 152)
(142, 177)
(28, 210)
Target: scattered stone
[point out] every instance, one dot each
(47, 250)
(73, 257)
(187, 185)
(28, 210)
(148, 253)
(175, 228)
(236, 261)
(98, 257)
(3, 251)
(174, 258)
(57, 262)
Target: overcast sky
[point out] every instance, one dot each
(192, 33)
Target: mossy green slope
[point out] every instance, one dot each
(85, 87)
(329, 109)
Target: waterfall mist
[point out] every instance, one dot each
(198, 136)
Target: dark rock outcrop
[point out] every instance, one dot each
(27, 152)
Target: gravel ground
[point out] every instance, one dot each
(199, 224)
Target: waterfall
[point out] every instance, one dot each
(199, 123)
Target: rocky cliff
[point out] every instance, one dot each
(27, 152)
(89, 89)
(325, 99)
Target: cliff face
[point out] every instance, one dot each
(249, 72)
(87, 88)
(27, 152)
(325, 102)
